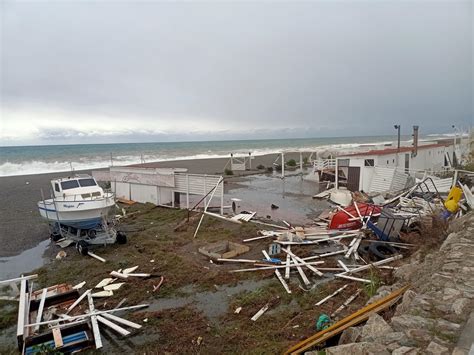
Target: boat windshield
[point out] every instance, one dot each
(87, 182)
(70, 184)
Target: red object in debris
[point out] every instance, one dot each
(343, 220)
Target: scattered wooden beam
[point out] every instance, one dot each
(86, 315)
(300, 271)
(113, 326)
(347, 322)
(277, 266)
(122, 321)
(40, 308)
(81, 297)
(331, 295)
(21, 278)
(342, 276)
(298, 259)
(95, 325)
(346, 303)
(277, 273)
(340, 262)
(58, 339)
(260, 312)
(96, 256)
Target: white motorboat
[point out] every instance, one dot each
(77, 202)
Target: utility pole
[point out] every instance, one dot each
(397, 127)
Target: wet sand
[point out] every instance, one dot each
(21, 226)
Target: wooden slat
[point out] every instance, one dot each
(122, 321)
(40, 308)
(113, 326)
(95, 325)
(355, 318)
(58, 339)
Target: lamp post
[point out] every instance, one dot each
(397, 127)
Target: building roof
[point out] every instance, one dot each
(395, 150)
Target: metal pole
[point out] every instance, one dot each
(282, 165)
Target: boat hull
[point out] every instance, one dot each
(85, 214)
(342, 220)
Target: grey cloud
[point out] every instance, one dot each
(317, 68)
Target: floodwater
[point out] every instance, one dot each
(292, 195)
(14, 266)
(213, 304)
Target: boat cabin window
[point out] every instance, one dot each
(71, 184)
(87, 182)
(56, 187)
(369, 162)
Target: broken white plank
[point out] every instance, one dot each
(237, 310)
(119, 275)
(96, 256)
(298, 259)
(79, 285)
(81, 297)
(95, 325)
(57, 337)
(113, 287)
(331, 295)
(323, 255)
(340, 262)
(342, 276)
(130, 270)
(270, 267)
(122, 321)
(277, 273)
(287, 268)
(311, 242)
(111, 325)
(301, 272)
(268, 224)
(287, 224)
(102, 294)
(238, 260)
(260, 312)
(257, 238)
(27, 277)
(368, 266)
(104, 282)
(86, 315)
(346, 303)
(40, 308)
(222, 217)
(22, 315)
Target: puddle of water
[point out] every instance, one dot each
(212, 304)
(14, 266)
(293, 196)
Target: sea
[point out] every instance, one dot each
(25, 160)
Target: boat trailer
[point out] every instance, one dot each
(83, 238)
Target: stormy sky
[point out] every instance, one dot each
(125, 71)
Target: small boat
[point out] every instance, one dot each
(77, 202)
(348, 218)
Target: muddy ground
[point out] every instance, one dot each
(193, 311)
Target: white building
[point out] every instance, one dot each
(375, 170)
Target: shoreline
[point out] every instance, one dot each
(22, 228)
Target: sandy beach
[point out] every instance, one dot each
(22, 227)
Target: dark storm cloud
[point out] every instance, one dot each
(320, 68)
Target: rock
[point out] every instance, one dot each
(376, 326)
(407, 299)
(350, 335)
(420, 335)
(436, 349)
(363, 348)
(406, 350)
(405, 321)
(461, 306)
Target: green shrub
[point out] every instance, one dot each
(270, 169)
(291, 162)
(228, 172)
(260, 167)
